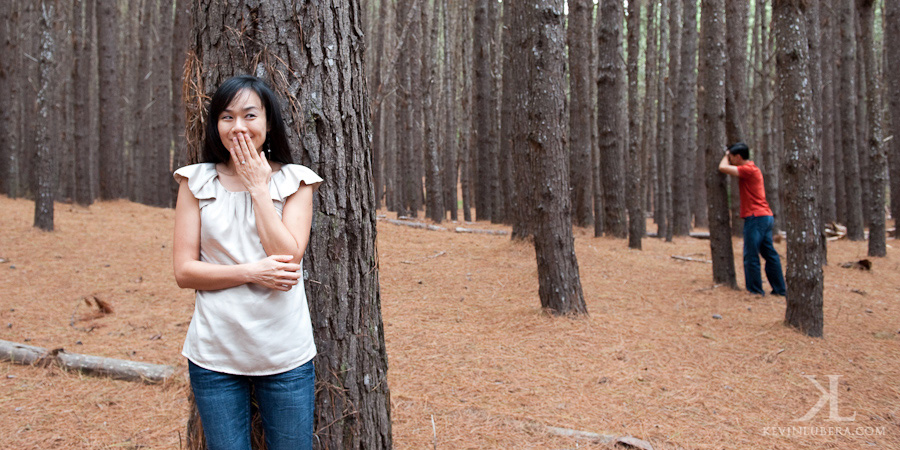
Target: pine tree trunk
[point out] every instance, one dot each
(434, 191)
(848, 102)
(892, 79)
(805, 257)
(875, 153)
(669, 85)
(735, 93)
(609, 99)
(85, 155)
(451, 162)
(712, 113)
(683, 166)
(633, 159)
(319, 74)
(542, 98)
(580, 127)
(11, 74)
(517, 42)
(110, 113)
(828, 198)
(45, 160)
(466, 132)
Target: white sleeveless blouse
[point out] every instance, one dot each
(246, 329)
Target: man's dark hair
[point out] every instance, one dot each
(276, 136)
(740, 149)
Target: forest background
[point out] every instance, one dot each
(96, 111)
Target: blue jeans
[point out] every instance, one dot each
(286, 401)
(758, 241)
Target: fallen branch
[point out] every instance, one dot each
(597, 438)
(474, 230)
(695, 235)
(118, 369)
(416, 225)
(687, 258)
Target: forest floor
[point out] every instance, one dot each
(473, 361)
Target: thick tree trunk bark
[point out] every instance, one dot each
(434, 192)
(829, 196)
(875, 153)
(712, 113)
(892, 78)
(805, 257)
(685, 101)
(83, 139)
(579, 37)
(319, 74)
(609, 99)
(848, 102)
(160, 147)
(45, 163)
(110, 114)
(543, 102)
(180, 42)
(633, 160)
(483, 85)
(11, 74)
(735, 93)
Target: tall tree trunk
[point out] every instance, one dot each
(110, 120)
(828, 197)
(466, 132)
(892, 79)
(848, 122)
(434, 191)
(735, 92)
(801, 165)
(45, 162)
(376, 75)
(451, 162)
(482, 105)
(503, 181)
(83, 142)
(517, 43)
(609, 98)
(180, 42)
(712, 113)
(11, 75)
(580, 105)
(325, 103)
(668, 87)
(633, 160)
(683, 186)
(652, 141)
(160, 148)
(544, 131)
(875, 153)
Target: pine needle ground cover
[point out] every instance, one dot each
(474, 363)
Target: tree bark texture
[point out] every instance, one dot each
(712, 113)
(451, 163)
(735, 92)
(876, 166)
(545, 133)
(651, 138)
(829, 195)
(481, 110)
(47, 114)
(609, 98)
(892, 78)
(848, 103)
(801, 165)
(580, 37)
(685, 102)
(111, 171)
(319, 74)
(434, 192)
(11, 74)
(466, 134)
(668, 87)
(633, 160)
(84, 139)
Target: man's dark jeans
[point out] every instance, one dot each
(758, 241)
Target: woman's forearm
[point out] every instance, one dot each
(275, 237)
(204, 276)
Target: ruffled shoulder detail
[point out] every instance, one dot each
(287, 180)
(200, 179)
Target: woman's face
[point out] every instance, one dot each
(245, 115)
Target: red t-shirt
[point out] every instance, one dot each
(753, 191)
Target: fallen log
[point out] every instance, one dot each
(695, 235)
(416, 225)
(119, 369)
(688, 258)
(477, 231)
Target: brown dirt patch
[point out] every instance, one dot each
(468, 345)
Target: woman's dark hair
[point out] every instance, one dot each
(276, 136)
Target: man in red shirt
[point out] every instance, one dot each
(758, 221)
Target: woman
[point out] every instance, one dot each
(242, 223)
